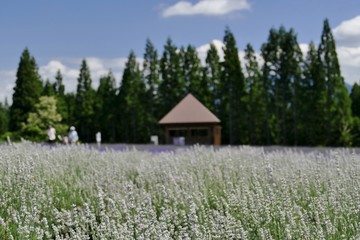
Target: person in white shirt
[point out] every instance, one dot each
(51, 133)
(98, 138)
(73, 135)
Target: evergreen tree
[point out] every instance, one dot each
(62, 107)
(134, 127)
(233, 110)
(4, 118)
(269, 52)
(355, 100)
(172, 85)
(213, 72)
(355, 108)
(27, 90)
(48, 89)
(84, 105)
(205, 94)
(313, 100)
(151, 73)
(256, 100)
(282, 76)
(291, 70)
(70, 109)
(58, 85)
(192, 71)
(338, 104)
(105, 110)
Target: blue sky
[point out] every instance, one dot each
(61, 33)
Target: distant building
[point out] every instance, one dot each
(190, 122)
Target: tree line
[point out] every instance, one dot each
(288, 99)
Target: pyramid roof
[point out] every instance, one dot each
(189, 110)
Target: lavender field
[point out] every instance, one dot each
(77, 192)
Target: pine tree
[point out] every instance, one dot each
(58, 85)
(213, 71)
(292, 62)
(172, 85)
(134, 127)
(48, 89)
(355, 100)
(192, 71)
(256, 100)
(27, 90)
(282, 76)
(70, 109)
(105, 117)
(338, 104)
(4, 118)
(84, 105)
(233, 111)
(205, 94)
(313, 100)
(61, 104)
(269, 75)
(355, 108)
(151, 73)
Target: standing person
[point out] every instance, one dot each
(51, 133)
(73, 135)
(98, 138)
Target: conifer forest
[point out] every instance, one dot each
(276, 95)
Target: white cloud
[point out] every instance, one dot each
(347, 36)
(7, 83)
(206, 7)
(304, 47)
(349, 59)
(349, 56)
(348, 33)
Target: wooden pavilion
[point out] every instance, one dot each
(190, 122)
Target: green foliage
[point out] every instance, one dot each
(84, 105)
(4, 118)
(61, 102)
(58, 85)
(134, 118)
(233, 102)
(355, 132)
(355, 100)
(256, 98)
(213, 73)
(192, 71)
(313, 98)
(282, 76)
(49, 89)
(45, 113)
(172, 84)
(105, 113)
(338, 103)
(27, 90)
(151, 76)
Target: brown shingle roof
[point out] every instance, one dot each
(189, 110)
